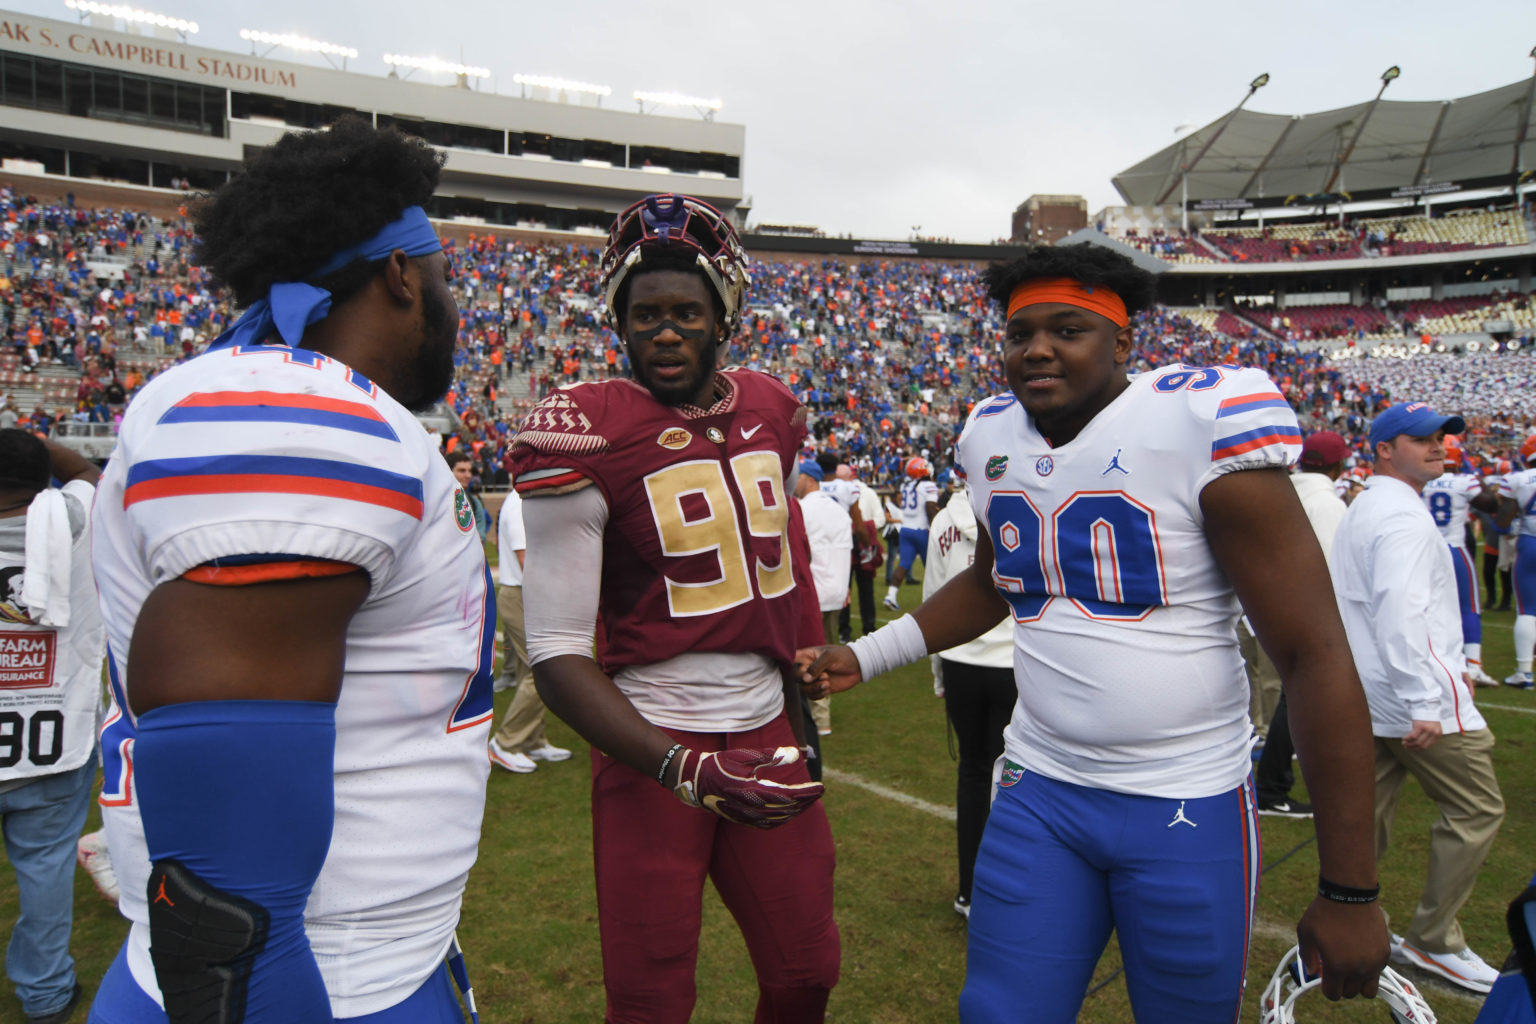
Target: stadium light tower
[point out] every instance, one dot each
(133, 15)
(1185, 167)
(707, 108)
(272, 40)
(559, 85)
(432, 64)
(1387, 78)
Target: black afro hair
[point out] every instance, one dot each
(1088, 263)
(307, 196)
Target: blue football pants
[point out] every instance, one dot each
(1062, 865)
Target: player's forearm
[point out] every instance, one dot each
(1331, 729)
(962, 609)
(576, 690)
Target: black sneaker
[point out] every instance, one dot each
(1289, 807)
(963, 906)
(61, 1015)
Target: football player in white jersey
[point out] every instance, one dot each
(299, 618)
(919, 503)
(1517, 505)
(1450, 499)
(1122, 522)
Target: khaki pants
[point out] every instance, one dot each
(522, 729)
(1263, 680)
(1457, 774)
(821, 709)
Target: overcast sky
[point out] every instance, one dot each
(875, 116)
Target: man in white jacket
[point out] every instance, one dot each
(976, 682)
(830, 530)
(1397, 594)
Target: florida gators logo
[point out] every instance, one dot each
(996, 466)
(463, 514)
(1011, 774)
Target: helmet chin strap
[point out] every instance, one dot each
(687, 334)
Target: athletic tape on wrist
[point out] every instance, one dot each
(891, 646)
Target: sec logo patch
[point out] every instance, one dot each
(1044, 465)
(463, 514)
(674, 439)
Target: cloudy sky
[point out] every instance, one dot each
(877, 116)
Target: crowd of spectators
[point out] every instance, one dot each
(888, 355)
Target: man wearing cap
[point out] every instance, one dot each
(1322, 462)
(831, 534)
(1397, 594)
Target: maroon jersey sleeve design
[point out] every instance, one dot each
(695, 556)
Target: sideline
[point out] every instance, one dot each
(1506, 707)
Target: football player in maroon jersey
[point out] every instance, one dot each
(658, 508)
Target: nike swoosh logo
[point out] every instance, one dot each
(746, 435)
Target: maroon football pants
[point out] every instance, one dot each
(652, 853)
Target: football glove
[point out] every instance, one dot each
(748, 787)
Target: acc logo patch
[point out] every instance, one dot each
(713, 433)
(997, 465)
(1012, 773)
(463, 515)
(1044, 465)
(674, 439)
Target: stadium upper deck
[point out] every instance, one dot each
(87, 101)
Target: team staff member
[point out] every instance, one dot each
(50, 687)
(520, 744)
(299, 617)
(976, 682)
(659, 505)
(1124, 801)
(1397, 593)
(830, 532)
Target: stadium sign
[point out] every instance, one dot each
(1434, 188)
(885, 248)
(1222, 204)
(147, 54)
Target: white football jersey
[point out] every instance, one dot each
(1126, 656)
(1522, 488)
(844, 492)
(1448, 499)
(270, 451)
(913, 499)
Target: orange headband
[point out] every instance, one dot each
(1094, 298)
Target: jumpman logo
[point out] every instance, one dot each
(1114, 463)
(1180, 817)
(162, 896)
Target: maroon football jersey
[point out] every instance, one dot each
(694, 555)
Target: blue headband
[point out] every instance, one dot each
(291, 306)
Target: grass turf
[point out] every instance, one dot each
(530, 928)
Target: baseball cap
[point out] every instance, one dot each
(811, 469)
(1323, 448)
(1416, 419)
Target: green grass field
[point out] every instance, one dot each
(530, 926)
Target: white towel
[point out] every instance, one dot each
(45, 585)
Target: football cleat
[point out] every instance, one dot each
(1479, 677)
(511, 760)
(1278, 1003)
(667, 221)
(891, 603)
(1520, 680)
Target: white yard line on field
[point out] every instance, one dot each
(917, 804)
(1507, 707)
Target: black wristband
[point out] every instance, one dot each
(1344, 893)
(666, 762)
